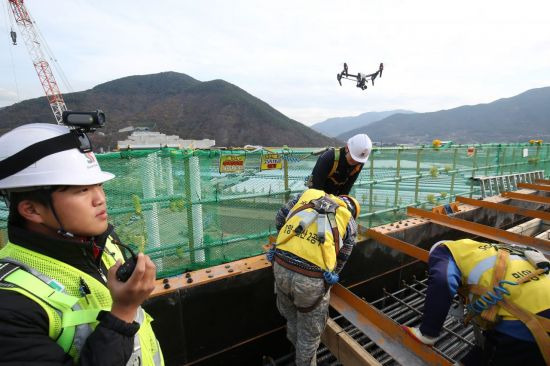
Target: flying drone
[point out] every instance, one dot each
(361, 79)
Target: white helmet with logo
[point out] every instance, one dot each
(359, 147)
(36, 165)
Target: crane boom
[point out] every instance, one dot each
(42, 67)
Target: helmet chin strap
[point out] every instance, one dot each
(61, 231)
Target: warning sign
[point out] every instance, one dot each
(232, 163)
(271, 162)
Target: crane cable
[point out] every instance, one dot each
(10, 22)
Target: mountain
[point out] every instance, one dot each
(176, 104)
(336, 126)
(517, 119)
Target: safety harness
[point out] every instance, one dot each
(485, 309)
(354, 171)
(324, 212)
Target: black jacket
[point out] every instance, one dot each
(24, 324)
(321, 171)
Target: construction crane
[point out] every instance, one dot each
(42, 67)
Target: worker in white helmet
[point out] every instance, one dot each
(337, 169)
(62, 301)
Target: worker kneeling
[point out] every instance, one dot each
(506, 289)
(317, 233)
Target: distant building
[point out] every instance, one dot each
(141, 139)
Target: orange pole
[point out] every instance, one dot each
(527, 197)
(536, 187)
(488, 232)
(505, 208)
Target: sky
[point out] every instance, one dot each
(437, 54)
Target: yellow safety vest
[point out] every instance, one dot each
(72, 317)
(476, 262)
(307, 245)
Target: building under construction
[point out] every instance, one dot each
(205, 217)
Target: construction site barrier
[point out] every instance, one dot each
(190, 209)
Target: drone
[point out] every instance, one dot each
(361, 79)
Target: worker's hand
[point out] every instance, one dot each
(270, 255)
(128, 296)
(418, 336)
(331, 278)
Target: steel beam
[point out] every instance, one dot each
(383, 331)
(399, 245)
(488, 232)
(505, 208)
(345, 348)
(202, 276)
(542, 181)
(526, 197)
(536, 187)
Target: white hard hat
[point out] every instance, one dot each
(68, 166)
(359, 147)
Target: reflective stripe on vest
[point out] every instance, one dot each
(72, 317)
(485, 265)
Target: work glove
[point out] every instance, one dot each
(331, 278)
(270, 255)
(418, 336)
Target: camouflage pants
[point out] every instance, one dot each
(302, 329)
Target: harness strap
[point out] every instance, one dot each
(321, 226)
(539, 333)
(297, 269)
(498, 275)
(538, 328)
(335, 164)
(537, 273)
(336, 237)
(301, 208)
(354, 171)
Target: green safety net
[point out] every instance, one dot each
(191, 209)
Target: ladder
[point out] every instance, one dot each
(493, 185)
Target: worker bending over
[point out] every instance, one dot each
(507, 291)
(337, 169)
(61, 302)
(317, 232)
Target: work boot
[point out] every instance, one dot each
(417, 335)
